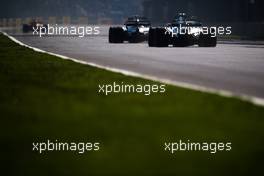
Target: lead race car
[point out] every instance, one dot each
(135, 30)
(182, 32)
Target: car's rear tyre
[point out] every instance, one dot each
(162, 38)
(206, 40)
(152, 37)
(116, 35)
(158, 37)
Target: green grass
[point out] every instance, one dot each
(43, 97)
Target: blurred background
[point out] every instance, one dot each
(92, 11)
(245, 16)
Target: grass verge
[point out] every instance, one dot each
(43, 97)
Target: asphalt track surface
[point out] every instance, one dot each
(237, 67)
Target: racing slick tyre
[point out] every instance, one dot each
(206, 40)
(116, 35)
(162, 39)
(158, 37)
(152, 37)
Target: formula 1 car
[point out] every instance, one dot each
(135, 30)
(181, 32)
(33, 25)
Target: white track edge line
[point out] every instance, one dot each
(254, 100)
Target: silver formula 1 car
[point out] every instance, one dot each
(182, 32)
(135, 30)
